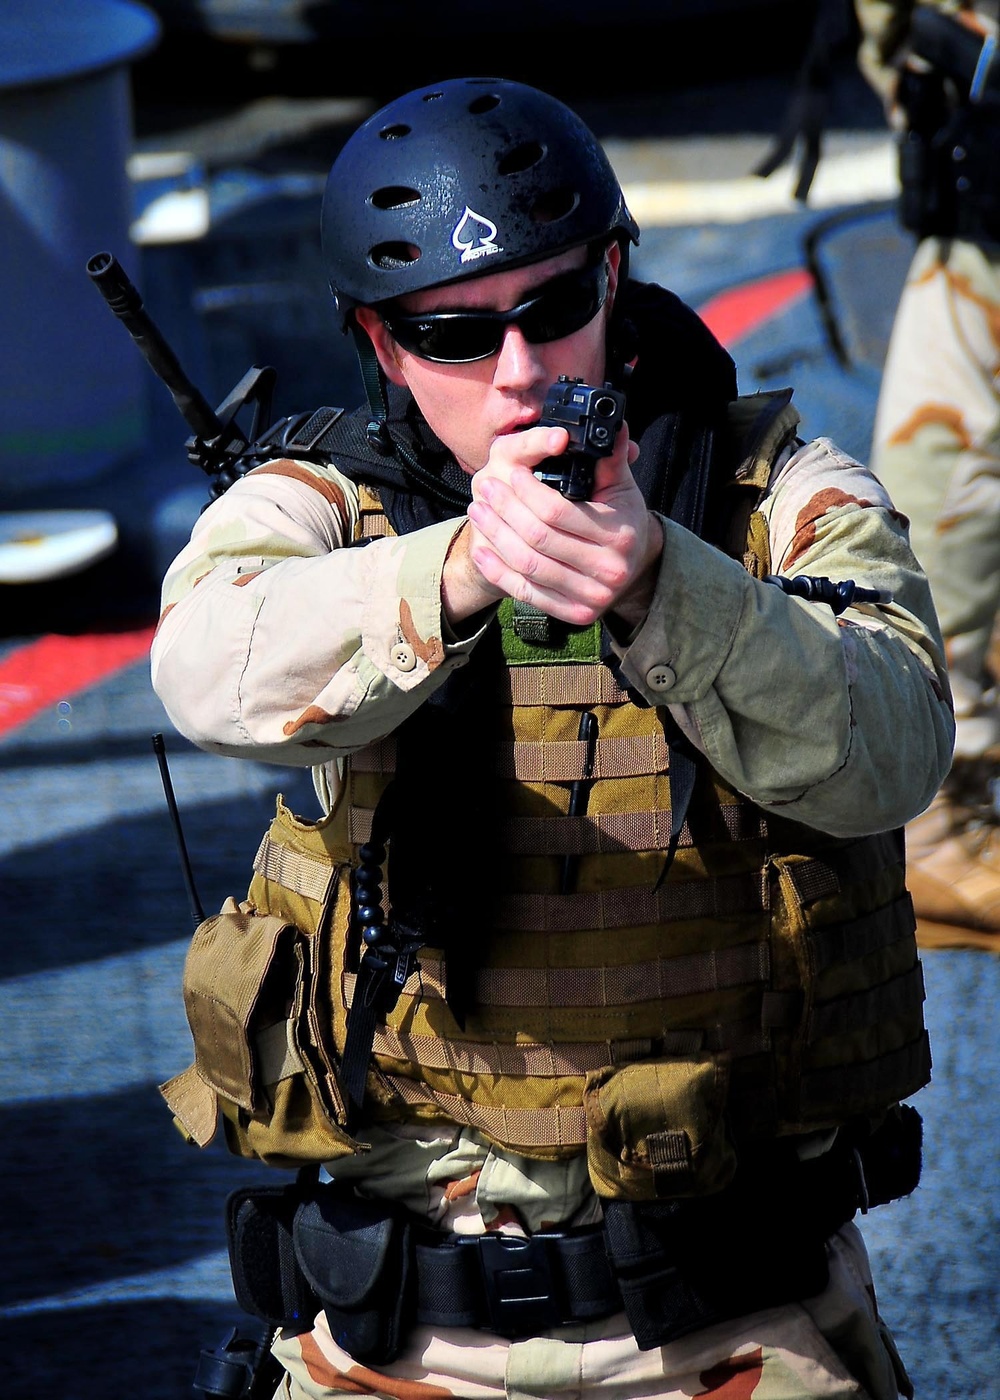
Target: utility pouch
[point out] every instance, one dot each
(267, 1279)
(237, 976)
(251, 982)
(657, 1128)
(357, 1256)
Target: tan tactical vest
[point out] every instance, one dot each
(768, 986)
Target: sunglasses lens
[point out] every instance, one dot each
(565, 306)
(460, 340)
(565, 309)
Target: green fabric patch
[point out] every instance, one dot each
(531, 638)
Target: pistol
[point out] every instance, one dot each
(592, 417)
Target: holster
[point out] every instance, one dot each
(300, 1248)
(357, 1256)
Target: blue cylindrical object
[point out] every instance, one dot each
(73, 392)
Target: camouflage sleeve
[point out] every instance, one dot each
(277, 642)
(844, 723)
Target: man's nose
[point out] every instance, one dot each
(519, 364)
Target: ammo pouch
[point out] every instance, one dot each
(297, 1249)
(657, 1128)
(253, 994)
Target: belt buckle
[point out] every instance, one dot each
(522, 1294)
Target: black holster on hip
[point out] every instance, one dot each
(297, 1249)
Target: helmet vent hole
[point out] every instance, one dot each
(394, 132)
(521, 158)
(555, 205)
(480, 105)
(390, 257)
(395, 197)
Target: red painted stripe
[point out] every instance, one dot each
(55, 668)
(739, 310)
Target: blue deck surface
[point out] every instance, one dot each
(115, 1266)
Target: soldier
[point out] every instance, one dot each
(937, 431)
(587, 1007)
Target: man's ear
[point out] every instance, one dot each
(385, 347)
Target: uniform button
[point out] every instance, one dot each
(660, 677)
(403, 657)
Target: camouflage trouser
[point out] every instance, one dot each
(833, 1345)
(937, 449)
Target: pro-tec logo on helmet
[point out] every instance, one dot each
(474, 237)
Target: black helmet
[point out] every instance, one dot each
(460, 179)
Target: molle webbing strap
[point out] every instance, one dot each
(294, 870)
(617, 831)
(560, 685)
(634, 906)
(825, 876)
(492, 1058)
(688, 974)
(379, 757)
(516, 1127)
(602, 834)
(896, 1074)
(543, 1127)
(564, 761)
(875, 1008)
(373, 523)
(844, 943)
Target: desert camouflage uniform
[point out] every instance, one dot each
(936, 447)
(307, 651)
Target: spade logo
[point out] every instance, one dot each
(474, 236)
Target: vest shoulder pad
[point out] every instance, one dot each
(762, 425)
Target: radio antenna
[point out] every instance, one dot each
(197, 913)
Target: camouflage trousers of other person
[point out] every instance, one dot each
(834, 1345)
(937, 450)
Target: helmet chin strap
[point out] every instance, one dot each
(377, 429)
(373, 379)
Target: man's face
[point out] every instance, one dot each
(470, 405)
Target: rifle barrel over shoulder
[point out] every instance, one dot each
(121, 295)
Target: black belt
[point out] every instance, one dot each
(514, 1286)
(672, 1265)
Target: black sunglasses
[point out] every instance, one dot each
(557, 309)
